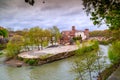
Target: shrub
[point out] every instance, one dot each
(3, 32)
(2, 46)
(14, 46)
(45, 56)
(87, 47)
(31, 62)
(1, 53)
(12, 50)
(106, 42)
(114, 52)
(26, 60)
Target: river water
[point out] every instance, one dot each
(58, 70)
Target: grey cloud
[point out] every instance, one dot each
(73, 12)
(61, 13)
(51, 7)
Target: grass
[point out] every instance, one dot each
(114, 52)
(45, 56)
(88, 47)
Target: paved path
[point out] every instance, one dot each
(53, 50)
(115, 75)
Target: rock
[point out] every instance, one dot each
(19, 64)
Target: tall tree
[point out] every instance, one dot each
(47, 37)
(55, 34)
(35, 35)
(14, 46)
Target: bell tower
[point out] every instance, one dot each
(73, 28)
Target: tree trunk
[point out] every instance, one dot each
(28, 48)
(99, 66)
(88, 65)
(41, 46)
(38, 47)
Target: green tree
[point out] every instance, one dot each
(3, 32)
(55, 34)
(84, 61)
(47, 37)
(101, 33)
(26, 42)
(14, 46)
(88, 60)
(107, 11)
(116, 35)
(114, 52)
(35, 35)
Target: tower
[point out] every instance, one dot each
(86, 33)
(73, 28)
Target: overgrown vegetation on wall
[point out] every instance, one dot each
(114, 52)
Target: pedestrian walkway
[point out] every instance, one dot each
(115, 75)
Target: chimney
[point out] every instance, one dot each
(73, 28)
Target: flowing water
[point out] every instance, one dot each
(58, 70)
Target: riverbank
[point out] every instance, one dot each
(15, 63)
(116, 74)
(108, 73)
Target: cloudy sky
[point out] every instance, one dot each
(62, 13)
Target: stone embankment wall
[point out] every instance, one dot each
(40, 61)
(56, 57)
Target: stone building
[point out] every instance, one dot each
(68, 35)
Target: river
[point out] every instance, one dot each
(58, 70)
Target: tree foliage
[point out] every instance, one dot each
(37, 36)
(107, 11)
(88, 61)
(14, 46)
(3, 32)
(55, 34)
(99, 33)
(31, 2)
(116, 35)
(114, 52)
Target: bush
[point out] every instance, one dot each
(2, 46)
(114, 52)
(1, 53)
(88, 46)
(26, 60)
(3, 32)
(12, 50)
(32, 62)
(14, 46)
(106, 42)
